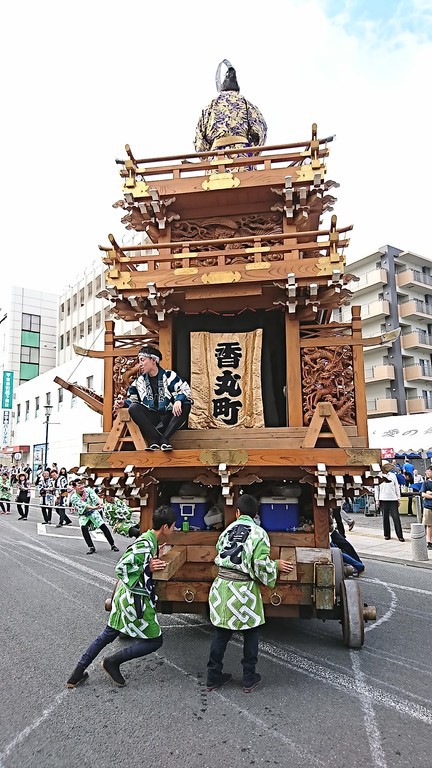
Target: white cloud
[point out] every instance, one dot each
(83, 82)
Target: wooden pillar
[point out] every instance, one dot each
(149, 508)
(165, 342)
(230, 509)
(108, 377)
(293, 373)
(321, 526)
(359, 375)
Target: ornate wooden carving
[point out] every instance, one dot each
(125, 370)
(327, 376)
(214, 227)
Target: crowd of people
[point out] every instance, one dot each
(55, 491)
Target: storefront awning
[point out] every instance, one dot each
(7, 450)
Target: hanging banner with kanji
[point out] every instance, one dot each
(226, 380)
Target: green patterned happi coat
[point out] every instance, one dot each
(119, 515)
(134, 603)
(243, 547)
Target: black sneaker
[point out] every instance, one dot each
(153, 447)
(252, 684)
(166, 447)
(114, 549)
(429, 546)
(91, 551)
(113, 670)
(59, 525)
(69, 522)
(78, 676)
(224, 679)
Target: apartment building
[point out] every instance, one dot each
(28, 342)
(395, 290)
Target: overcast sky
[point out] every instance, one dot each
(80, 80)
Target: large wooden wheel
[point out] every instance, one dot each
(352, 614)
(337, 560)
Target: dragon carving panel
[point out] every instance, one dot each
(125, 370)
(327, 376)
(222, 228)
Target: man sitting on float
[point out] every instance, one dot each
(159, 401)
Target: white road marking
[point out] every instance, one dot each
(388, 614)
(68, 561)
(371, 726)
(32, 727)
(42, 530)
(262, 725)
(400, 586)
(293, 661)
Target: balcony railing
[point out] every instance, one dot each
(415, 307)
(382, 406)
(419, 404)
(379, 373)
(413, 276)
(416, 339)
(418, 371)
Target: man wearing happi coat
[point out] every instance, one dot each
(230, 121)
(235, 597)
(133, 611)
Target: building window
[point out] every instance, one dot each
(48, 398)
(62, 311)
(60, 397)
(98, 284)
(74, 334)
(27, 410)
(68, 307)
(68, 339)
(89, 382)
(62, 342)
(18, 412)
(75, 302)
(37, 407)
(81, 331)
(31, 322)
(28, 371)
(89, 325)
(89, 291)
(30, 355)
(82, 298)
(98, 320)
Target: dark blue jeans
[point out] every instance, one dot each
(135, 651)
(220, 641)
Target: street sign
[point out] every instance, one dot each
(18, 456)
(5, 429)
(7, 389)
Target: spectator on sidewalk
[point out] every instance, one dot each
(388, 499)
(5, 494)
(23, 498)
(426, 493)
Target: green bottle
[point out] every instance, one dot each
(185, 525)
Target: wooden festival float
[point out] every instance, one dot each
(236, 273)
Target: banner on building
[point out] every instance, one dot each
(5, 427)
(7, 389)
(226, 380)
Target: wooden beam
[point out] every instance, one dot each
(293, 373)
(108, 377)
(349, 458)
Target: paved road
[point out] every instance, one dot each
(320, 704)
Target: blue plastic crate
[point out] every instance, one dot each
(279, 514)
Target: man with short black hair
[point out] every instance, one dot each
(159, 401)
(235, 598)
(133, 609)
